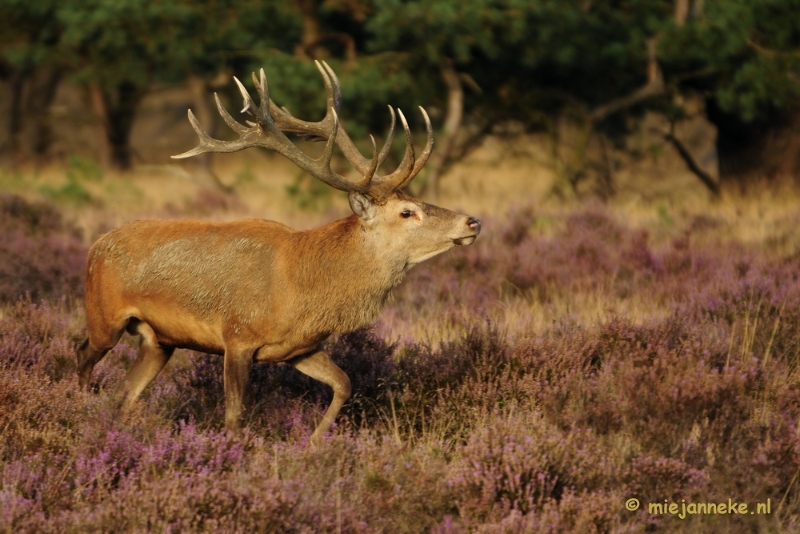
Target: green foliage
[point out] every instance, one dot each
(540, 55)
(72, 192)
(664, 216)
(309, 193)
(79, 168)
(532, 59)
(29, 33)
(245, 176)
(13, 179)
(120, 41)
(745, 54)
(527, 55)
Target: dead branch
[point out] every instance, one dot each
(692, 164)
(654, 87)
(452, 126)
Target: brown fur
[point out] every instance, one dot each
(254, 290)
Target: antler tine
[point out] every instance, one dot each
(423, 158)
(249, 105)
(394, 181)
(199, 149)
(366, 182)
(208, 143)
(332, 84)
(321, 130)
(263, 93)
(387, 145)
(267, 133)
(327, 154)
(335, 97)
(230, 121)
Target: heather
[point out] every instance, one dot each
(40, 254)
(569, 360)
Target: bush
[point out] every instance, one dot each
(40, 254)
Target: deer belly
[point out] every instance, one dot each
(177, 328)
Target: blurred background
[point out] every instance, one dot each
(567, 98)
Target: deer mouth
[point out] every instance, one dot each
(464, 241)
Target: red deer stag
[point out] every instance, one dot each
(256, 290)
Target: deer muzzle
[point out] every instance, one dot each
(475, 226)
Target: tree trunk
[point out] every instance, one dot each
(309, 16)
(681, 12)
(120, 125)
(452, 126)
(97, 101)
(32, 93)
(115, 116)
(765, 148)
(18, 80)
(41, 98)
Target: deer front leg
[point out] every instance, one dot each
(236, 378)
(319, 366)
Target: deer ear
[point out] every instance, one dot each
(362, 205)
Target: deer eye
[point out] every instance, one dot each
(406, 214)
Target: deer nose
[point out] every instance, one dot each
(474, 224)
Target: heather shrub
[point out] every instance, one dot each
(362, 355)
(40, 254)
(658, 380)
(543, 429)
(519, 463)
(654, 479)
(196, 392)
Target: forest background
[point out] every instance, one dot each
(581, 72)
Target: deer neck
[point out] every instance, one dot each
(343, 253)
(349, 276)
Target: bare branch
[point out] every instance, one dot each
(653, 88)
(687, 157)
(772, 53)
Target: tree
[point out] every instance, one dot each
(30, 63)
(119, 48)
(601, 62)
(532, 60)
(744, 59)
(597, 63)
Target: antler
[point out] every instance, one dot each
(272, 121)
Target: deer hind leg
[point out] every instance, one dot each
(94, 348)
(319, 366)
(150, 361)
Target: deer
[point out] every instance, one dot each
(256, 291)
